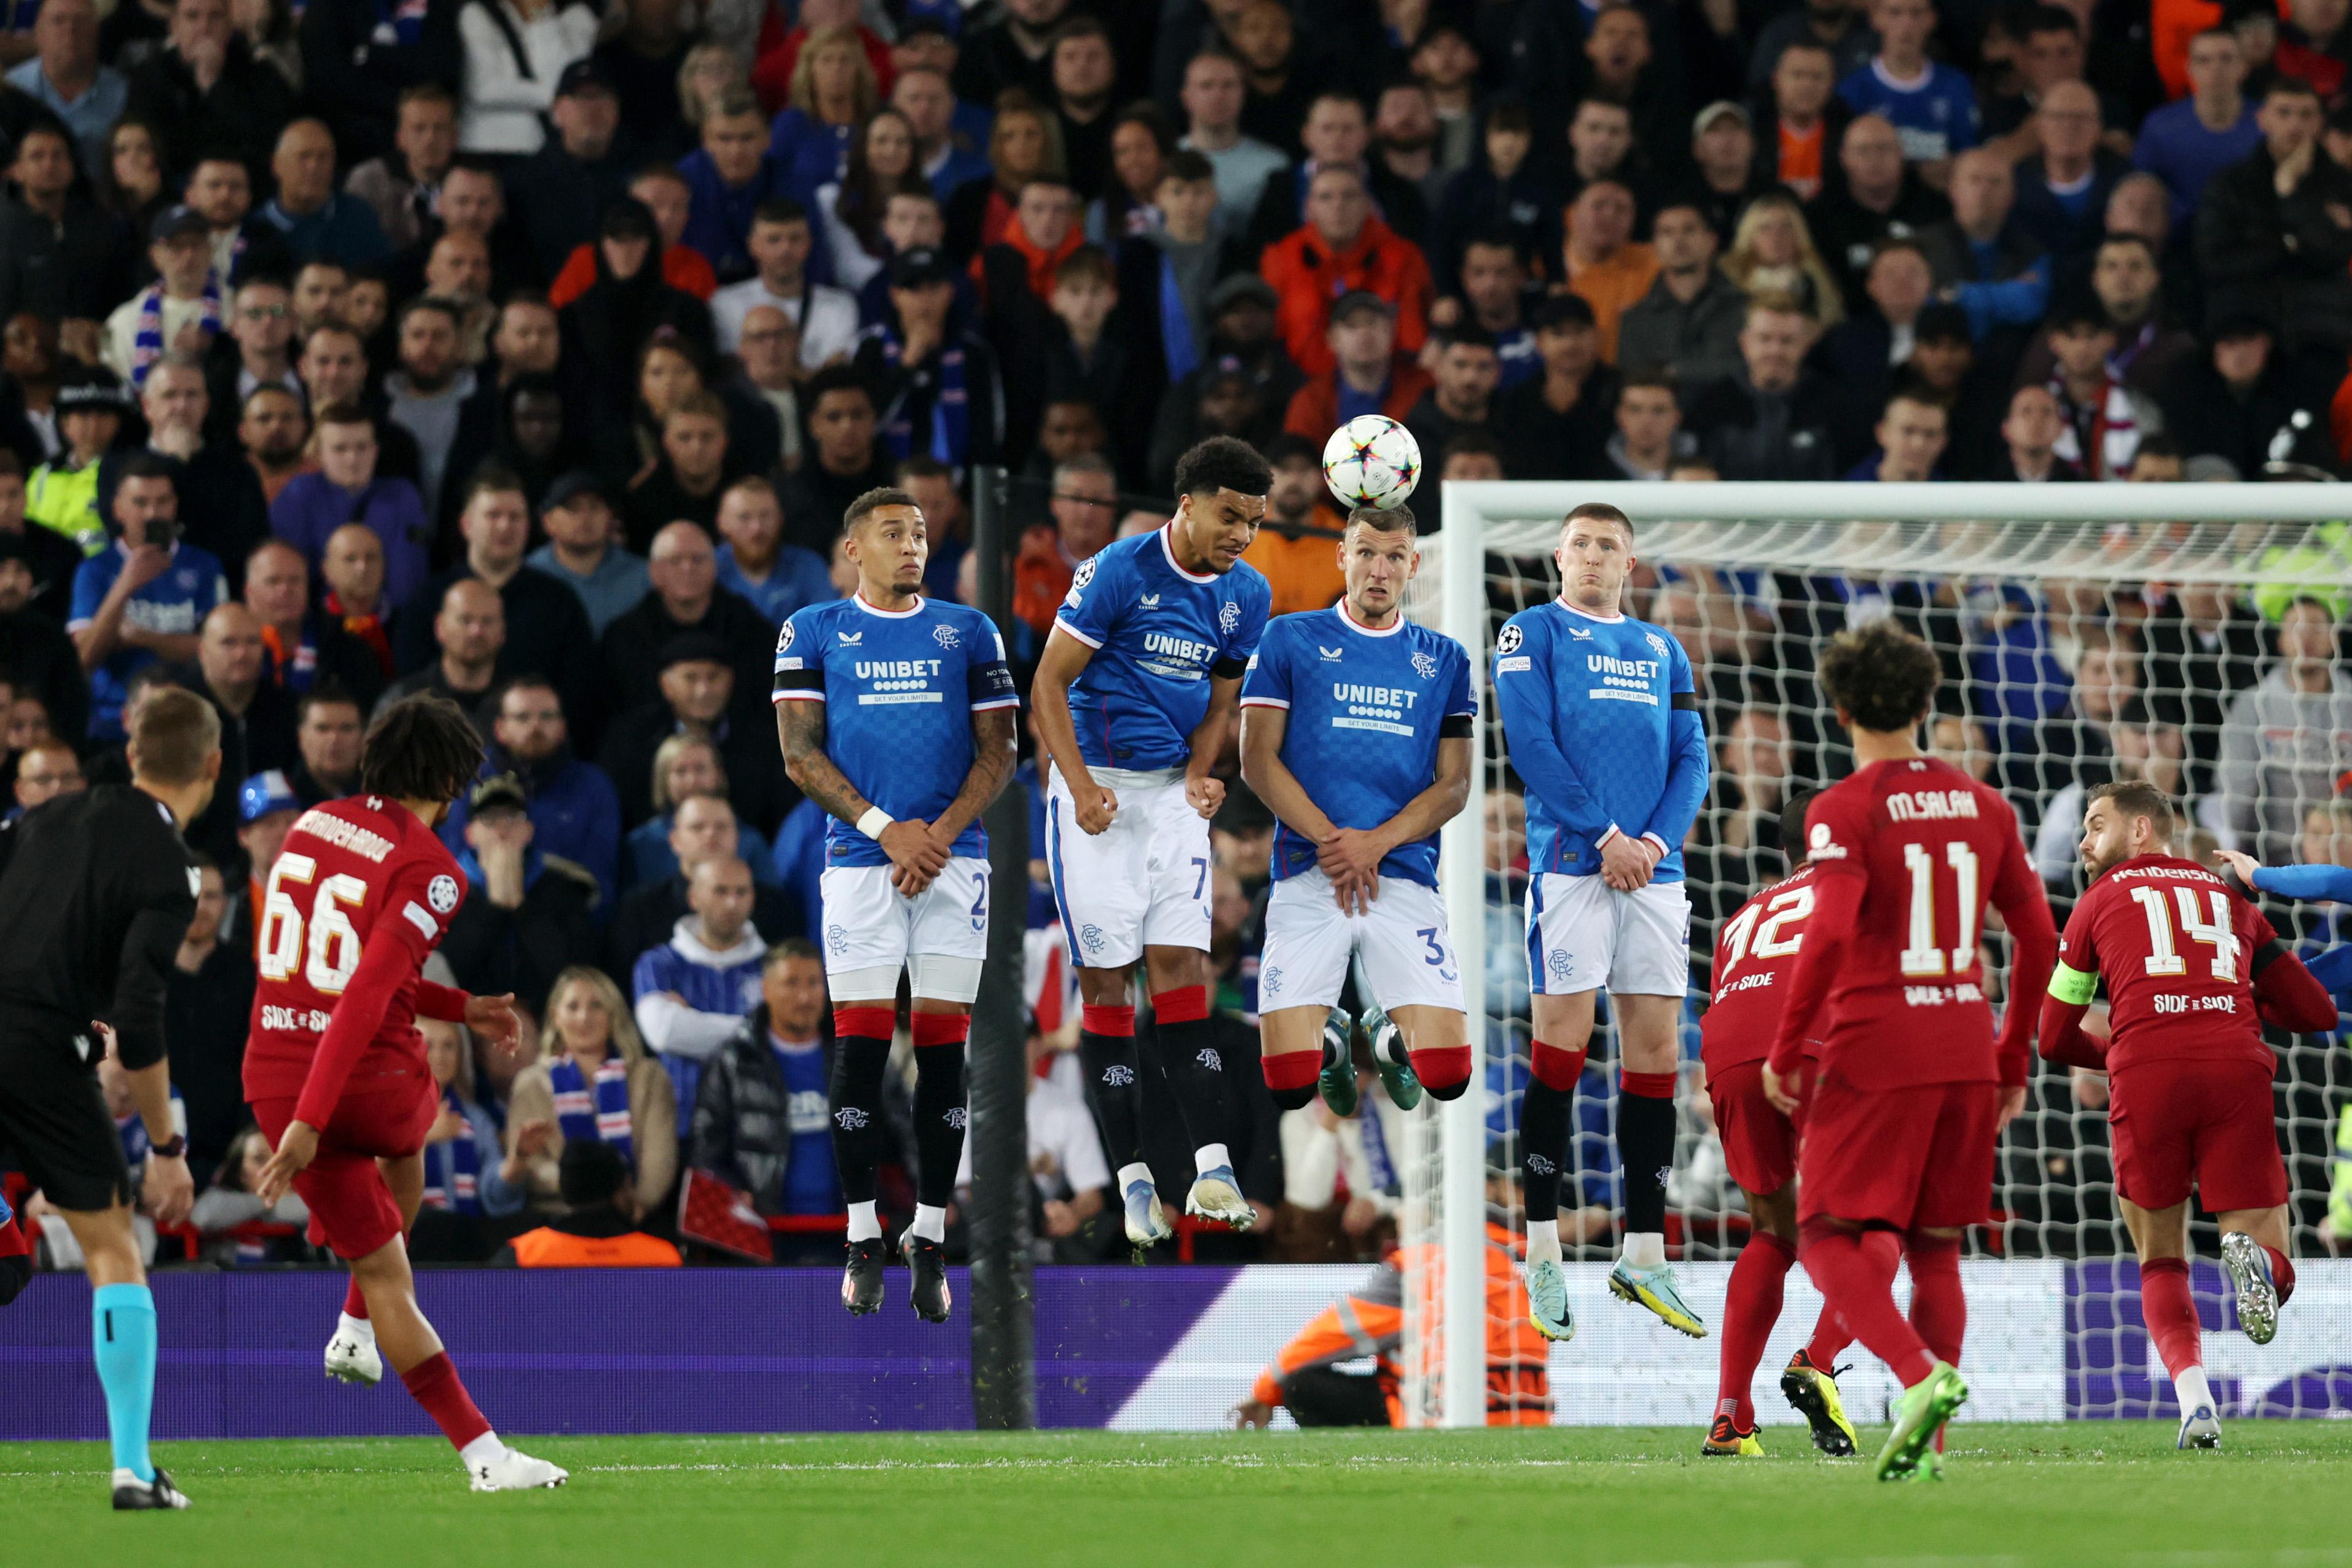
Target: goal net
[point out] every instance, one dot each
(2190, 634)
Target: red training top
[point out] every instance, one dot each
(1904, 854)
(361, 893)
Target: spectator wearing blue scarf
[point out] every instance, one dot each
(467, 1173)
(936, 383)
(593, 1080)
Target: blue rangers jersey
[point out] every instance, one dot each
(1602, 720)
(899, 688)
(1366, 709)
(1158, 633)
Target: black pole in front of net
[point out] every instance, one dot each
(1003, 1371)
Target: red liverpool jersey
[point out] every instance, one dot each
(1905, 854)
(361, 893)
(1754, 954)
(2175, 945)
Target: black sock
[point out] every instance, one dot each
(938, 1121)
(1545, 1117)
(859, 1139)
(1196, 1074)
(1111, 1068)
(1646, 1152)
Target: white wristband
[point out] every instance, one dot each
(875, 820)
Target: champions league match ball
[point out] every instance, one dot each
(1371, 461)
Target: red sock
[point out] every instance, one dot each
(1832, 1333)
(1291, 1076)
(1859, 1281)
(941, 1028)
(2282, 1273)
(1443, 1069)
(1940, 1308)
(2170, 1313)
(15, 1239)
(354, 1304)
(1751, 1306)
(433, 1385)
(1556, 1067)
(1185, 1005)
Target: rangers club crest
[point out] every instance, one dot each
(1562, 964)
(1229, 619)
(1119, 1074)
(1271, 981)
(442, 894)
(1425, 666)
(1657, 644)
(1508, 641)
(946, 636)
(838, 938)
(851, 1118)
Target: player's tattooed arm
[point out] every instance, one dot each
(800, 730)
(993, 753)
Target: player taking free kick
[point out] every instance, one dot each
(1133, 696)
(1356, 733)
(1602, 719)
(2193, 971)
(895, 714)
(1754, 954)
(335, 1070)
(1911, 1090)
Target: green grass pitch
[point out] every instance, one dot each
(2086, 1494)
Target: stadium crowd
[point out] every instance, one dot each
(527, 352)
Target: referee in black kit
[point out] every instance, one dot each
(97, 890)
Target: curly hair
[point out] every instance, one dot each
(420, 748)
(1880, 676)
(1224, 463)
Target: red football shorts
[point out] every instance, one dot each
(2207, 1121)
(1759, 1144)
(1915, 1158)
(351, 1209)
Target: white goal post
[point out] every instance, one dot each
(2008, 531)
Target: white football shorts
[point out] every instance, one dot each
(1141, 882)
(872, 931)
(1583, 934)
(1408, 956)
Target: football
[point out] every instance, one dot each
(1371, 461)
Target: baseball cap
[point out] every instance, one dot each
(584, 75)
(177, 222)
(692, 647)
(1356, 300)
(1240, 287)
(1713, 112)
(498, 790)
(264, 795)
(570, 487)
(918, 266)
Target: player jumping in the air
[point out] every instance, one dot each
(1754, 953)
(895, 714)
(1911, 1090)
(2193, 971)
(1602, 720)
(335, 1069)
(1356, 734)
(1133, 696)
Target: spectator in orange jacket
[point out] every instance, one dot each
(1343, 249)
(1298, 547)
(1600, 259)
(1302, 1379)
(1363, 372)
(1085, 508)
(594, 1232)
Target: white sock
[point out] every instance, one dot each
(1645, 1249)
(2193, 1391)
(482, 1450)
(1543, 1241)
(1209, 1156)
(930, 1221)
(359, 1329)
(863, 1223)
(1130, 1174)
